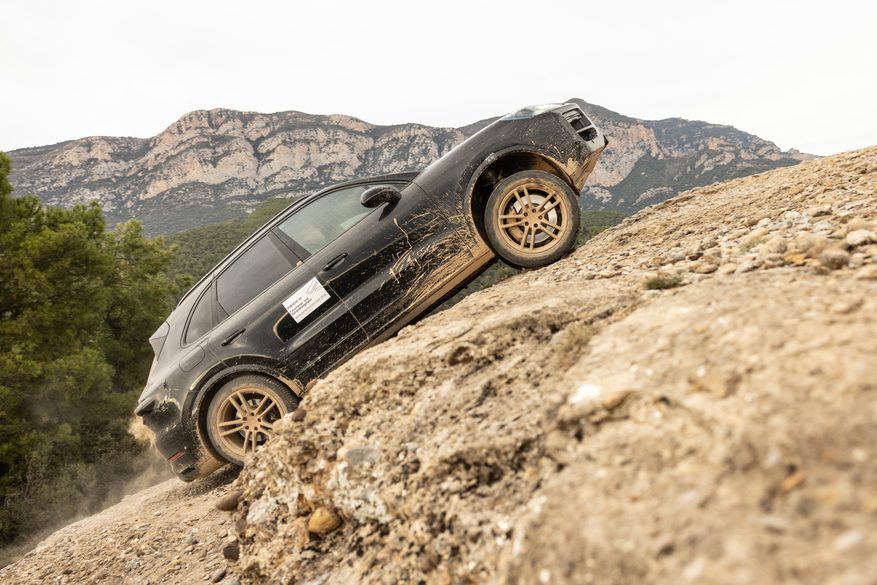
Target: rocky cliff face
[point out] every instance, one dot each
(211, 165)
(650, 161)
(221, 163)
(687, 398)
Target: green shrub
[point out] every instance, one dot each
(662, 282)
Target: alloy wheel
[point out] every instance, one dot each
(244, 419)
(533, 218)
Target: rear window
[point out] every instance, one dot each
(255, 270)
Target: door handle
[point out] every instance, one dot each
(335, 261)
(232, 337)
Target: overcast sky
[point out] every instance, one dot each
(801, 74)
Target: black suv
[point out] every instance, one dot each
(349, 266)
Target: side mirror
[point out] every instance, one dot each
(379, 195)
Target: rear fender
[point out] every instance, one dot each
(241, 366)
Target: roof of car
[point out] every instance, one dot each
(407, 176)
(392, 177)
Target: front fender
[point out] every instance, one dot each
(468, 187)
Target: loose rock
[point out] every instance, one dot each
(834, 258)
(747, 266)
(705, 267)
(231, 551)
(795, 258)
(867, 272)
(229, 502)
(819, 210)
(775, 245)
(811, 244)
(859, 238)
(323, 521)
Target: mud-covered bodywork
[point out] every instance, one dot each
(393, 265)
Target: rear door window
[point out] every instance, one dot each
(256, 269)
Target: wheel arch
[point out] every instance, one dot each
(501, 164)
(211, 385)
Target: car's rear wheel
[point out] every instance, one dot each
(242, 414)
(532, 219)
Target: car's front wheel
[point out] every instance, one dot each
(242, 415)
(532, 219)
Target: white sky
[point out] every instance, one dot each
(803, 74)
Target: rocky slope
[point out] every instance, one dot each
(223, 162)
(572, 426)
(169, 533)
(689, 397)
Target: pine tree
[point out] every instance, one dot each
(77, 305)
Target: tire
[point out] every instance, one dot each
(532, 219)
(238, 418)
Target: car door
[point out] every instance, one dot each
(271, 305)
(366, 256)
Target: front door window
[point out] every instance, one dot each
(322, 221)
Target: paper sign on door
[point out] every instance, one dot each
(305, 300)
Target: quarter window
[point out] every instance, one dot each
(201, 320)
(253, 271)
(325, 219)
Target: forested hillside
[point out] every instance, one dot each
(199, 249)
(77, 304)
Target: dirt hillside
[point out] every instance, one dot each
(689, 397)
(168, 533)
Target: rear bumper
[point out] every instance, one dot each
(184, 453)
(191, 466)
(177, 441)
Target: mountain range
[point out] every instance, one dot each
(213, 165)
